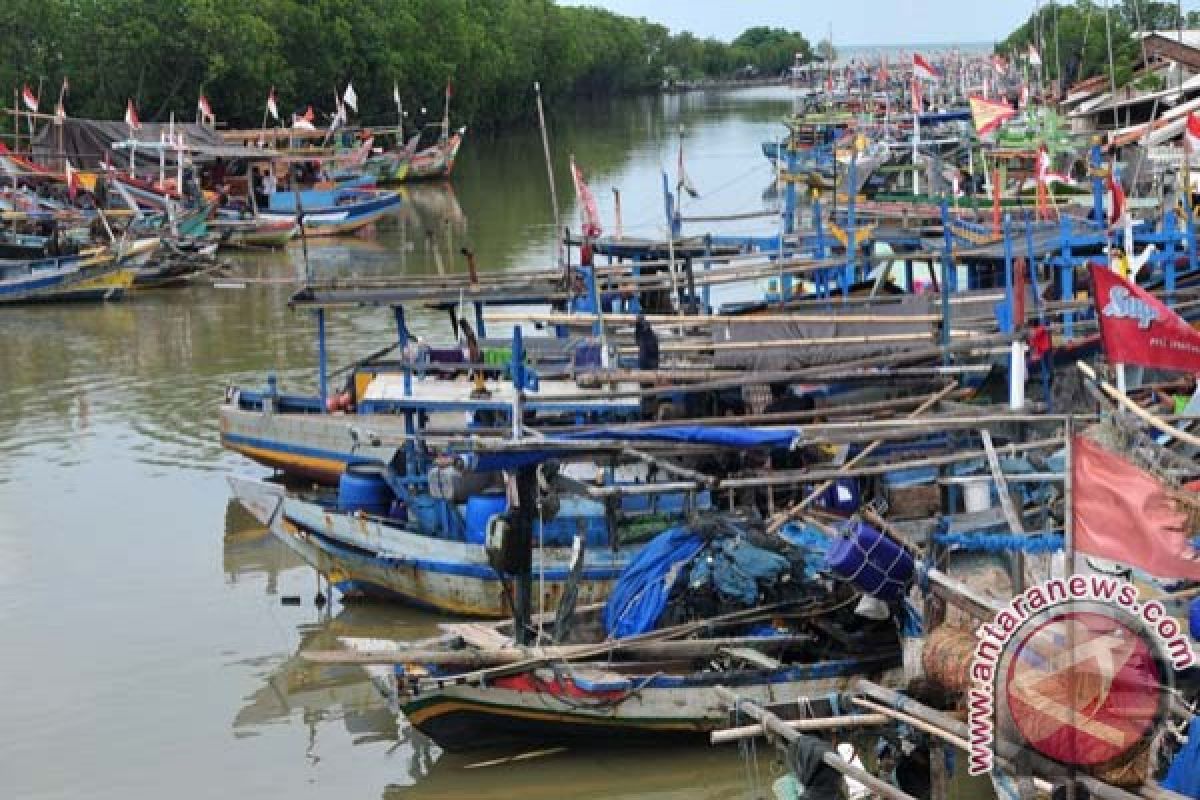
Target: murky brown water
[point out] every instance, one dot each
(144, 651)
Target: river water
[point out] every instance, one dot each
(146, 651)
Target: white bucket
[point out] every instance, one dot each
(977, 494)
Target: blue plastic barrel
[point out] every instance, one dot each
(1194, 618)
(872, 562)
(362, 488)
(843, 497)
(480, 509)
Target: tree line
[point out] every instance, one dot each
(163, 54)
(1074, 36)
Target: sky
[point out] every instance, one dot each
(855, 22)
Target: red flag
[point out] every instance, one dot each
(1116, 199)
(1191, 134)
(1136, 328)
(206, 111)
(587, 202)
(131, 117)
(923, 69)
(309, 116)
(1124, 513)
(29, 98)
(916, 95)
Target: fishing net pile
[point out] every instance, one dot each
(710, 568)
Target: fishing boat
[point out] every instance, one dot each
(331, 212)
(432, 553)
(251, 231)
(91, 275)
(413, 163)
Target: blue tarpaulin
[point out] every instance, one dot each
(1184, 773)
(740, 438)
(640, 596)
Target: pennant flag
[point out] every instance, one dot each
(923, 69)
(396, 94)
(587, 203)
(272, 109)
(1191, 134)
(1137, 328)
(1035, 58)
(989, 115)
(1123, 513)
(1116, 199)
(131, 117)
(206, 112)
(350, 97)
(29, 98)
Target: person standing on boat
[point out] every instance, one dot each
(269, 185)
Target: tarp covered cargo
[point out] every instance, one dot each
(86, 142)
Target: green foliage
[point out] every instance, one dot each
(1074, 37)
(162, 54)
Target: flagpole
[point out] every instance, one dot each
(537, 92)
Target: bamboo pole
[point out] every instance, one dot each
(1117, 397)
(784, 517)
(777, 726)
(801, 726)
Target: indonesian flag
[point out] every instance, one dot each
(131, 117)
(916, 95)
(303, 122)
(1123, 513)
(350, 97)
(923, 69)
(72, 180)
(60, 108)
(29, 98)
(272, 108)
(1116, 199)
(1045, 175)
(1023, 96)
(206, 112)
(1191, 134)
(1035, 58)
(989, 115)
(999, 64)
(587, 203)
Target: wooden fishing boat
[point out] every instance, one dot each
(475, 688)
(432, 554)
(92, 275)
(409, 164)
(332, 212)
(253, 232)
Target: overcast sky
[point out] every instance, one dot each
(855, 22)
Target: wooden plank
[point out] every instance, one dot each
(751, 656)
(477, 635)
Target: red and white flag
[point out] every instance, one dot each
(883, 70)
(923, 69)
(587, 203)
(989, 115)
(1023, 96)
(131, 117)
(206, 112)
(60, 108)
(1191, 133)
(272, 108)
(72, 180)
(916, 96)
(1045, 175)
(1035, 58)
(999, 64)
(1123, 513)
(1137, 328)
(29, 99)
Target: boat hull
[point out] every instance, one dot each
(76, 280)
(544, 705)
(367, 556)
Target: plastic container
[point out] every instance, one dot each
(362, 488)
(423, 510)
(872, 562)
(1194, 618)
(977, 495)
(480, 509)
(843, 497)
